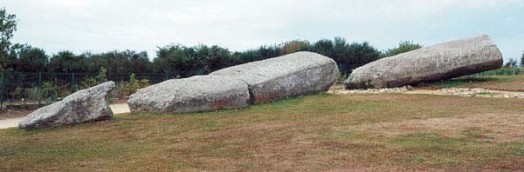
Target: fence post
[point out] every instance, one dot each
(39, 89)
(73, 84)
(2, 91)
(56, 89)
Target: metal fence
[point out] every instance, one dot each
(26, 90)
(23, 89)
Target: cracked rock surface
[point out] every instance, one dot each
(285, 76)
(193, 94)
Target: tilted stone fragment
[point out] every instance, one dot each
(82, 106)
(438, 62)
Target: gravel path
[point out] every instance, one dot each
(9, 123)
(464, 92)
(116, 108)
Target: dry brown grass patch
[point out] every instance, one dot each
(486, 127)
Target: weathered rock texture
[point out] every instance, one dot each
(194, 94)
(285, 76)
(82, 106)
(438, 62)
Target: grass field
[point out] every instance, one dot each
(317, 132)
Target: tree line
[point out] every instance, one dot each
(186, 60)
(175, 58)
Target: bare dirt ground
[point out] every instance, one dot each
(10, 114)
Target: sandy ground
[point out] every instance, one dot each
(120, 108)
(10, 123)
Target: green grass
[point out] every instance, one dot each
(502, 71)
(315, 132)
(503, 82)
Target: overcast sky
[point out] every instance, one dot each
(143, 25)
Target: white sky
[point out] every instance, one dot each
(143, 25)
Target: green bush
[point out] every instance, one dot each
(98, 79)
(130, 87)
(16, 93)
(508, 71)
(32, 94)
(342, 77)
(64, 90)
(502, 71)
(118, 92)
(49, 91)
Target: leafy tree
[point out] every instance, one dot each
(347, 56)
(294, 46)
(7, 27)
(97, 61)
(119, 61)
(176, 59)
(324, 47)
(403, 47)
(159, 65)
(10, 62)
(67, 62)
(27, 59)
(360, 54)
(249, 55)
(218, 58)
(127, 61)
(270, 51)
(340, 54)
(199, 58)
(187, 61)
(138, 62)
